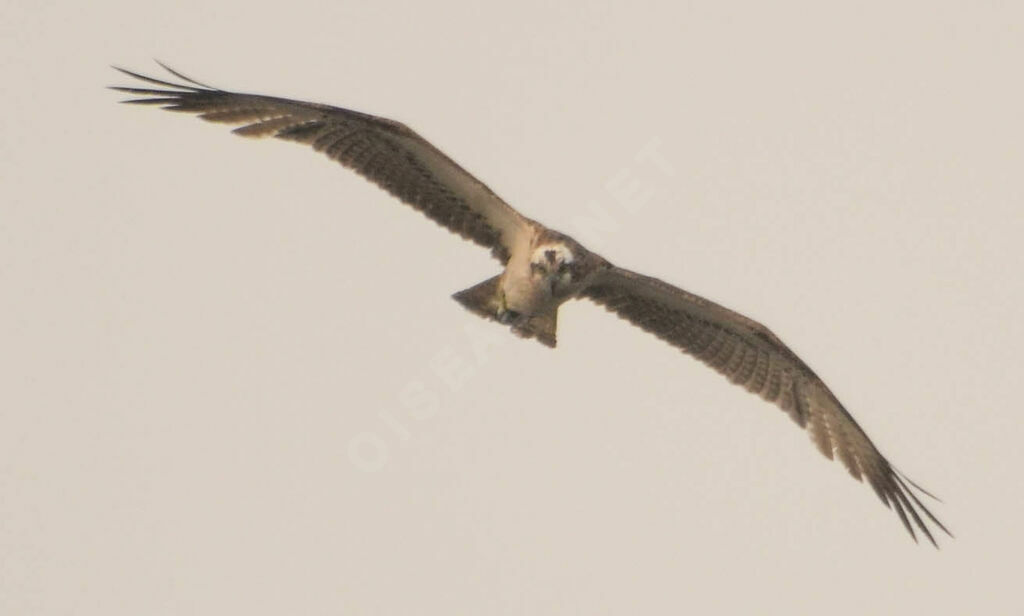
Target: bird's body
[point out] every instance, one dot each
(544, 268)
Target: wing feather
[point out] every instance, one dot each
(385, 152)
(750, 355)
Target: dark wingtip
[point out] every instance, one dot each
(901, 479)
(181, 76)
(916, 485)
(161, 82)
(896, 492)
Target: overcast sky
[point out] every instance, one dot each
(232, 379)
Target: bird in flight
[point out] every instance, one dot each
(544, 268)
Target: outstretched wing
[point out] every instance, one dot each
(385, 152)
(751, 356)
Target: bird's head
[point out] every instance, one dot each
(552, 264)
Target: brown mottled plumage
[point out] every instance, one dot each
(385, 152)
(544, 268)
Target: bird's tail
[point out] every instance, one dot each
(484, 299)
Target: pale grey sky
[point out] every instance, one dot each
(232, 379)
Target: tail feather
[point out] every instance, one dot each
(484, 299)
(539, 326)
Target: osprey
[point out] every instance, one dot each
(544, 268)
